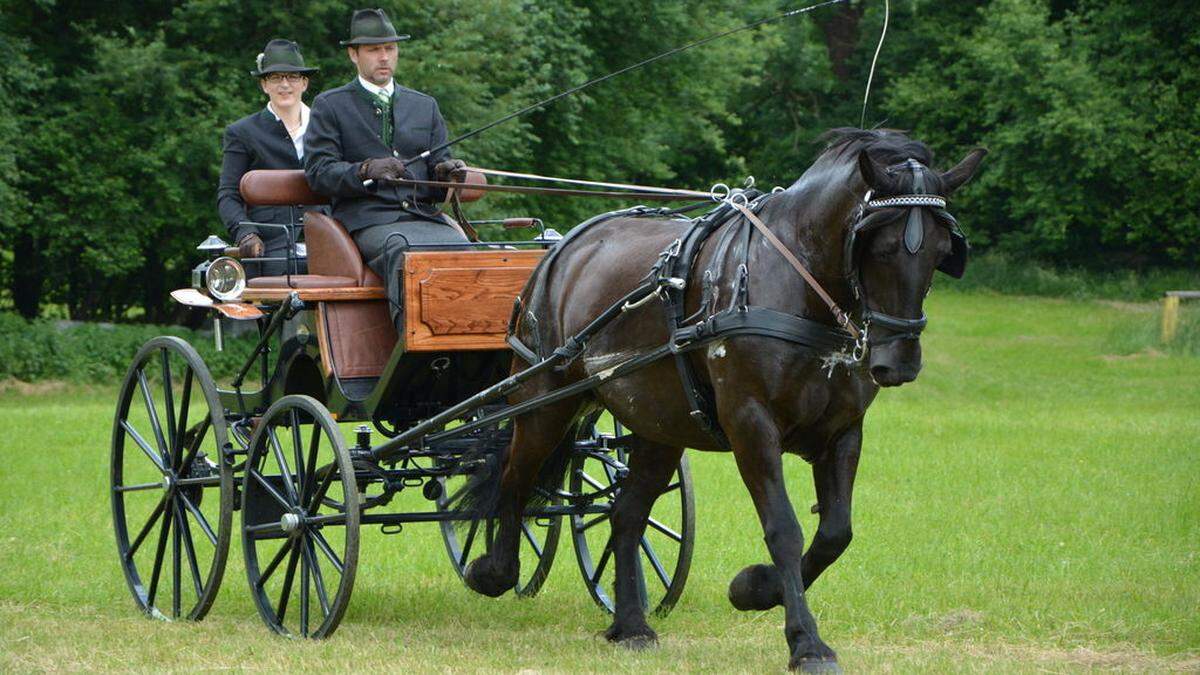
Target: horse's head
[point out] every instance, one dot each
(904, 234)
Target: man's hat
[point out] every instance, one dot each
(281, 56)
(371, 27)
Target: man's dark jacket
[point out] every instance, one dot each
(346, 128)
(257, 141)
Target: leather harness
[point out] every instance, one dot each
(672, 273)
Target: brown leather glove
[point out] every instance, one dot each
(446, 169)
(251, 246)
(387, 169)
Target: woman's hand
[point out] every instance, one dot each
(251, 246)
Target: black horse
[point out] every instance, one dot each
(769, 396)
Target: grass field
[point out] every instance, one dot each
(1031, 503)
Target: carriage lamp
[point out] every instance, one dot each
(225, 279)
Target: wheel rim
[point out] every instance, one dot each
(665, 552)
(171, 489)
(300, 519)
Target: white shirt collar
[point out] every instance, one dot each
(386, 90)
(298, 139)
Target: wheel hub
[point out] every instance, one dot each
(291, 522)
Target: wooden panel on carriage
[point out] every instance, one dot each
(461, 300)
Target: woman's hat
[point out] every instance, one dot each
(371, 27)
(281, 56)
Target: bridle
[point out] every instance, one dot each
(872, 215)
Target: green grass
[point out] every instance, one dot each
(1031, 503)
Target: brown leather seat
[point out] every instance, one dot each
(302, 281)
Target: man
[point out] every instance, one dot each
(359, 133)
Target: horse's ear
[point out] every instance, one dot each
(873, 175)
(954, 178)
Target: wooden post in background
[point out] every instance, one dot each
(1170, 314)
(1170, 318)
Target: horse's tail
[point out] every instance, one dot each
(480, 498)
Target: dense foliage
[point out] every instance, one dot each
(111, 115)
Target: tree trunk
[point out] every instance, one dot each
(841, 36)
(27, 276)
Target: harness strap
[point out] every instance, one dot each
(841, 316)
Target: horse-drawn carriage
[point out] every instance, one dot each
(187, 453)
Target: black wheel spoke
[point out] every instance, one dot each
(603, 561)
(318, 579)
(139, 487)
(314, 446)
(189, 547)
(200, 519)
(470, 540)
(331, 519)
(270, 568)
(592, 523)
(158, 558)
(153, 413)
(672, 487)
(298, 455)
(328, 551)
(664, 529)
(530, 538)
(590, 481)
(288, 578)
(305, 582)
(289, 484)
(137, 542)
(176, 563)
(185, 402)
(266, 485)
(268, 528)
(328, 473)
(141, 443)
(655, 563)
(169, 404)
(197, 440)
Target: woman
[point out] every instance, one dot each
(272, 138)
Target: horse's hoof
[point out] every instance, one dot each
(481, 577)
(635, 639)
(815, 665)
(756, 588)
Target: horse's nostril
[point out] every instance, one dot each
(880, 373)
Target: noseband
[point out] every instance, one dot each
(914, 234)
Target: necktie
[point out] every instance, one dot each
(385, 107)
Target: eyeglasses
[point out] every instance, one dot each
(276, 78)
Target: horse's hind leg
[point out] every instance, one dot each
(756, 448)
(536, 436)
(651, 466)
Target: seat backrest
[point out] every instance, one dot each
(277, 187)
(332, 252)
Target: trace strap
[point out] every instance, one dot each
(843, 319)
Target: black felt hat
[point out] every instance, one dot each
(371, 27)
(281, 56)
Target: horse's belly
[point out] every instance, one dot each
(649, 402)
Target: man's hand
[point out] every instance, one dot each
(446, 169)
(251, 246)
(387, 169)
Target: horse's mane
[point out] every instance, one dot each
(885, 146)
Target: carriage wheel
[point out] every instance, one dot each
(666, 546)
(172, 489)
(300, 519)
(539, 540)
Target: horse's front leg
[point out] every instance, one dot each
(758, 587)
(651, 466)
(833, 476)
(760, 462)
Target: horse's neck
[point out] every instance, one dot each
(815, 213)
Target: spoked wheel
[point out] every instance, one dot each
(172, 490)
(539, 538)
(666, 546)
(300, 519)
